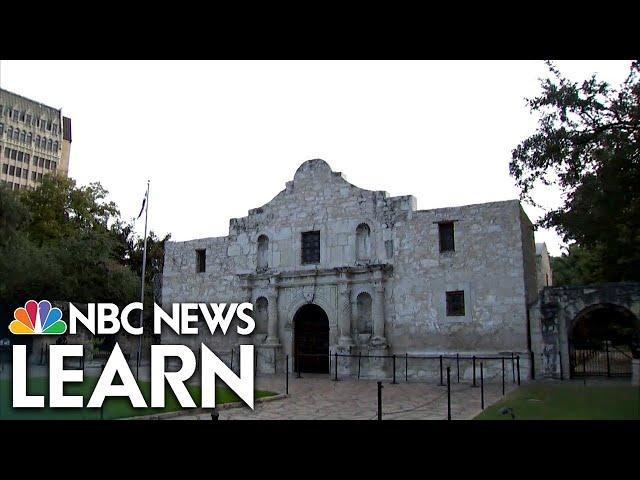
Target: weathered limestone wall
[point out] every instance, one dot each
(487, 264)
(544, 272)
(405, 274)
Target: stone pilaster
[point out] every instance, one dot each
(378, 339)
(344, 311)
(272, 326)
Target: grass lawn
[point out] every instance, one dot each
(569, 401)
(112, 408)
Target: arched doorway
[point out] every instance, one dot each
(311, 339)
(600, 340)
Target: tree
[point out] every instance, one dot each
(61, 242)
(577, 266)
(60, 209)
(588, 144)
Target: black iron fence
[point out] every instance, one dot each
(599, 359)
(405, 367)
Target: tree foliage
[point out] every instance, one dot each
(63, 242)
(588, 144)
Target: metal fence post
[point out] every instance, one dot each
(448, 393)
(275, 362)
(359, 357)
(481, 387)
(287, 381)
(254, 363)
(458, 366)
(518, 364)
(406, 367)
(503, 376)
(513, 368)
(606, 343)
(474, 371)
(441, 380)
(394, 368)
(335, 365)
(379, 400)
(533, 366)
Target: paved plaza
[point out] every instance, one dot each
(317, 397)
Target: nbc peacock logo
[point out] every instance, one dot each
(37, 318)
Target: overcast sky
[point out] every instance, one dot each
(217, 138)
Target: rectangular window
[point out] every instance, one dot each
(39, 177)
(35, 161)
(446, 236)
(41, 162)
(47, 165)
(33, 176)
(20, 156)
(455, 303)
(12, 170)
(27, 157)
(14, 154)
(54, 165)
(25, 173)
(18, 172)
(311, 247)
(7, 152)
(5, 168)
(201, 260)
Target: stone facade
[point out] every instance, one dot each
(381, 279)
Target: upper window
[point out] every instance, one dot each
(455, 303)
(363, 242)
(201, 260)
(311, 247)
(447, 243)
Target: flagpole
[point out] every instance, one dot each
(144, 266)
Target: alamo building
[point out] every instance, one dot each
(334, 268)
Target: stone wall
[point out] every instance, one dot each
(405, 274)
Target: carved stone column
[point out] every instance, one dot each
(378, 339)
(344, 311)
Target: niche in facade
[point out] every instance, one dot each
(263, 251)
(262, 315)
(364, 313)
(363, 242)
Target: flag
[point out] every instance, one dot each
(144, 201)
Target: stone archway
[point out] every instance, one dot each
(311, 339)
(600, 338)
(565, 316)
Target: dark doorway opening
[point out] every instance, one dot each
(311, 339)
(600, 341)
